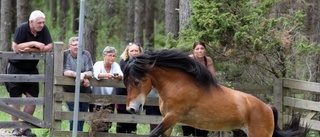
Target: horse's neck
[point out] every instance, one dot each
(163, 79)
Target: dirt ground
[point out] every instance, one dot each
(6, 133)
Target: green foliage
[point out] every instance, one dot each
(244, 34)
(159, 37)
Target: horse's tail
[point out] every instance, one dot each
(291, 129)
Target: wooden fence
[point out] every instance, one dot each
(29, 121)
(284, 94)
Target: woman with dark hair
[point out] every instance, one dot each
(199, 54)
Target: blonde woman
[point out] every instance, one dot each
(132, 50)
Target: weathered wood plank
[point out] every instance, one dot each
(300, 103)
(126, 118)
(18, 124)
(58, 49)
(302, 85)
(24, 101)
(22, 78)
(22, 56)
(62, 80)
(86, 97)
(277, 99)
(24, 116)
(310, 115)
(48, 89)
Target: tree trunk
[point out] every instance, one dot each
(184, 14)
(5, 29)
(171, 18)
(22, 9)
(91, 26)
(312, 30)
(54, 14)
(160, 11)
(150, 23)
(0, 10)
(75, 21)
(90, 39)
(130, 22)
(63, 20)
(138, 21)
(13, 18)
(111, 8)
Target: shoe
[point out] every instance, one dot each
(27, 132)
(16, 132)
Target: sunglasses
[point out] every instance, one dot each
(134, 43)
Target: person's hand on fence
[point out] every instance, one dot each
(86, 82)
(118, 77)
(82, 76)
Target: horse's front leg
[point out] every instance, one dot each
(168, 132)
(165, 127)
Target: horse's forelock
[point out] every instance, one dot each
(137, 68)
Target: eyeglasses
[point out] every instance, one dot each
(74, 45)
(110, 55)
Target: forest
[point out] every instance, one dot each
(250, 41)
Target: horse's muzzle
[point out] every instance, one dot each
(135, 110)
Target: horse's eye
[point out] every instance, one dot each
(136, 82)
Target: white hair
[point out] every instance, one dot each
(36, 14)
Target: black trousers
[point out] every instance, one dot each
(187, 131)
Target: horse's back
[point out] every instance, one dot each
(228, 109)
(258, 116)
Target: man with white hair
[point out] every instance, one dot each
(30, 36)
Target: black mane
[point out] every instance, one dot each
(142, 64)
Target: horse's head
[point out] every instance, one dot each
(138, 83)
(140, 74)
(137, 91)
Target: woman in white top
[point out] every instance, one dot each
(106, 69)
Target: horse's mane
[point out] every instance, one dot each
(138, 67)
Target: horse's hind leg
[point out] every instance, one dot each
(261, 125)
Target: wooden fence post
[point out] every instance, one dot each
(58, 70)
(278, 99)
(48, 89)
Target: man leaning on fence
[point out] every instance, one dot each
(30, 36)
(69, 70)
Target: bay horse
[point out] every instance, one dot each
(189, 94)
